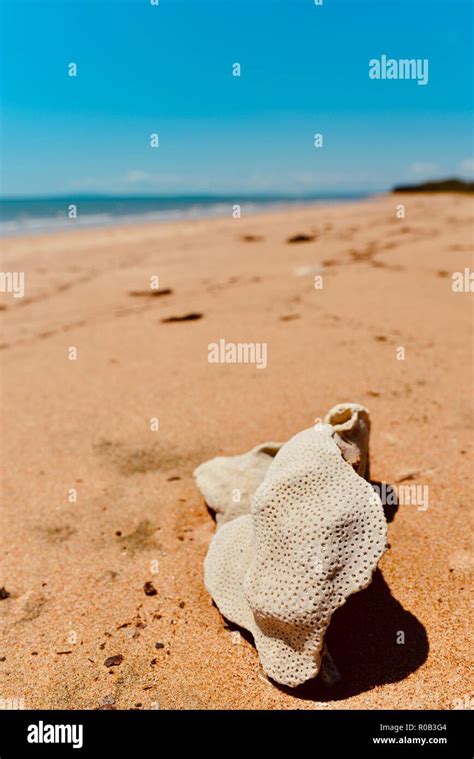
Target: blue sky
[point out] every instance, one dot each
(168, 69)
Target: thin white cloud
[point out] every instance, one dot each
(467, 167)
(420, 168)
(291, 183)
(137, 176)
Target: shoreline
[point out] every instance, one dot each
(249, 208)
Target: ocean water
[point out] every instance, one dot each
(36, 215)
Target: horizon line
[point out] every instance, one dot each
(229, 195)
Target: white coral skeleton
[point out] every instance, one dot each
(307, 532)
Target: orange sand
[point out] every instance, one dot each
(76, 571)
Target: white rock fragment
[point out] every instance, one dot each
(229, 482)
(351, 425)
(306, 271)
(314, 536)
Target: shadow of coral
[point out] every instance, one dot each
(363, 635)
(362, 639)
(389, 498)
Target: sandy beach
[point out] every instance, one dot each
(97, 504)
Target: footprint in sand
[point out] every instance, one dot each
(142, 538)
(129, 459)
(366, 254)
(57, 534)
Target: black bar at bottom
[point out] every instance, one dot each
(368, 733)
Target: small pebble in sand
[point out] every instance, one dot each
(4, 594)
(149, 589)
(108, 700)
(159, 645)
(113, 661)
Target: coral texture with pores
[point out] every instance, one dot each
(314, 536)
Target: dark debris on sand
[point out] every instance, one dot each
(113, 661)
(149, 589)
(193, 316)
(301, 238)
(252, 238)
(150, 293)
